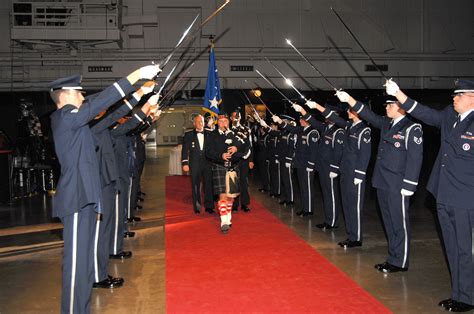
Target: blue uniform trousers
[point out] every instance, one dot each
(456, 225)
(352, 205)
(287, 191)
(78, 269)
(394, 208)
(305, 180)
(331, 197)
(103, 233)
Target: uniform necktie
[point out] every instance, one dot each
(458, 120)
(390, 125)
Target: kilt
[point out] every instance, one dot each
(219, 173)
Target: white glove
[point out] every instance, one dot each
(309, 169)
(343, 96)
(277, 119)
(311, 104)
(406, 192)
(391, 87)
(357, 181)
(287, 164)
(277, 161)
(297, 107)
(147, 88)
(263, 123)
(333, 175)
(153, 100)
(149, 72)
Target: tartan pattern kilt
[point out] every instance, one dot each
(219, 178)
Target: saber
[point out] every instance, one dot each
(186, 32)
(185, 36)
(358, 42)
(174, 86)
(166, 80)
(272, 85)
(287, 80)
(311, 64)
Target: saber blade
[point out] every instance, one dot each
(358, 43)
(310, 63)
(287, 81)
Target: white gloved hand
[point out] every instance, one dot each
(391, 87)
(148, 87)
(406, 192)
(263, 123)
(333, 175)
(297, 107)
(277, 161)
(343, 96)
(277, 119)
(153, 100)
(287, 164)
(357, 181)
(309, 169)
(311, 104)
(149, 72)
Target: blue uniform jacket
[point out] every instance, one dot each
(79, 183)
(452, 177)
(357, 146)
(330, 146)
(105, 147)
(306, 145)
(399, 154)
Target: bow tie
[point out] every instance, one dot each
(199, 132)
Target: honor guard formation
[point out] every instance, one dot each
(100, 138)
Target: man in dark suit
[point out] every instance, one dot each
(193, 159)
(452, 184)
(77, 197)
(396, 171)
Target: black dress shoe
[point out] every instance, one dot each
(121, 255)
(456, 306)
(245, 209)
(210, 211)
(129, 234)
(234, 209)
(445, 303)
(133, 219)
(348, 244)
(290, 203)
(117, 279)
(138, 207)
(225, 229)
(299, 213)
(325, 226)
(262, 190)
(282, 202)
(307, 214)
(141, 199)
(389, 268)
(142, 193)
(107, 283)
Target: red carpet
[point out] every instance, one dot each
(260, 266)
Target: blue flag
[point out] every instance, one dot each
(212, 96)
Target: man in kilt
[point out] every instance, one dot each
(225, 151)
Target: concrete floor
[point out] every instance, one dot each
(31, 281)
